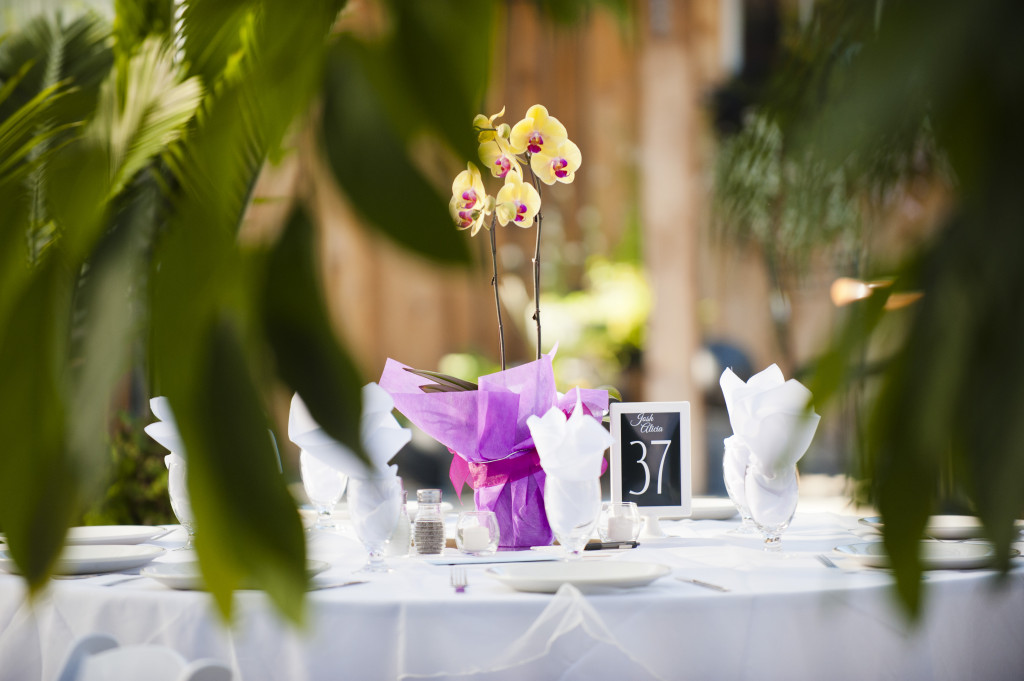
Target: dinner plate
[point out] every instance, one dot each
(945, 526)
(186, 576)
(88, 558)
(548, 577)
(114, 534)
(935, 555)
(711, 508)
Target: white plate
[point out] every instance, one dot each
(934, 555)
(945, 526)
(711, 508)
(548, 577)
(113, 534)
(81, 560)
(186, 576)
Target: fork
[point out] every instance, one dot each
(826, 561)
(458, 580)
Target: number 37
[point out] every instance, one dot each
(643, 462)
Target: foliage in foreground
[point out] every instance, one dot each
(867, 83)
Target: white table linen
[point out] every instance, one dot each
(785, 617)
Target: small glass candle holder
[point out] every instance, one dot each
(620, 521)
(476, 533)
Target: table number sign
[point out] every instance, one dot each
(650, 457)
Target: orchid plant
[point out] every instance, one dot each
(540, 144)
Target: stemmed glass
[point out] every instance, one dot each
(374, 506)
(772, 504)
(573, 508)
(734, 465)
(324, 486)
(177, 488)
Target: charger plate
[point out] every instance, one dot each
(583, 574)
(935, 555)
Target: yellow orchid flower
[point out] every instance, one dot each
(487, 130)
(537, 133)
(560, 166)
(497, 155)
(517, 202)
(470, 202)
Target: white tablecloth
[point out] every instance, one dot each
(785, 617)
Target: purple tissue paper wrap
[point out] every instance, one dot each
(486, 431)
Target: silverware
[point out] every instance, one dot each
(335, 585)
(706, 585)
(458, 580)
(826, 561)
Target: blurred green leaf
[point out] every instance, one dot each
(449, 84)
(297, 327)
(37, 482)
(943, 424)
(247, 523)
(370, 161)
(74, 51)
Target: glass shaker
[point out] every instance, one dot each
(428, 529)
(401, 539)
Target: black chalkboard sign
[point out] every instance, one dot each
(650, 457)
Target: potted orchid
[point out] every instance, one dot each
(484, 424)
(539, 143)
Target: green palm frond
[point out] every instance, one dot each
(136, 122)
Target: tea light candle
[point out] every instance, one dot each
(620, 529)
(475, 538)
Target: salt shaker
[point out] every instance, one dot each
(400, 540)
(428, 529)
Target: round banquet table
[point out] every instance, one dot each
(784, 616)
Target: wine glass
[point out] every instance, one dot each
(772, 502)
(734, 469)
(572, 507)
(374, 506)
(324, 486)
(177, 489)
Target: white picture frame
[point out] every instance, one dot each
(643, 457)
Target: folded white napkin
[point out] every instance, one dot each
(769, 415)
(569, 448)
(165, 431)
(772, 429)
(571, 451)
(379, 432)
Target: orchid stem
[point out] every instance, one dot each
(494, 283)
(536, 267)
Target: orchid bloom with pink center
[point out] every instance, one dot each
(470, 203)
(538, 133)
(517, 202)
(496, 155)
(560, 166)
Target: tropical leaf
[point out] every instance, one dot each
(38, 490)
(370, 159)
(75, 51)
(297, 326)
(142, 111)
(449, 86)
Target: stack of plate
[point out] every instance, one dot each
(101, 548)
